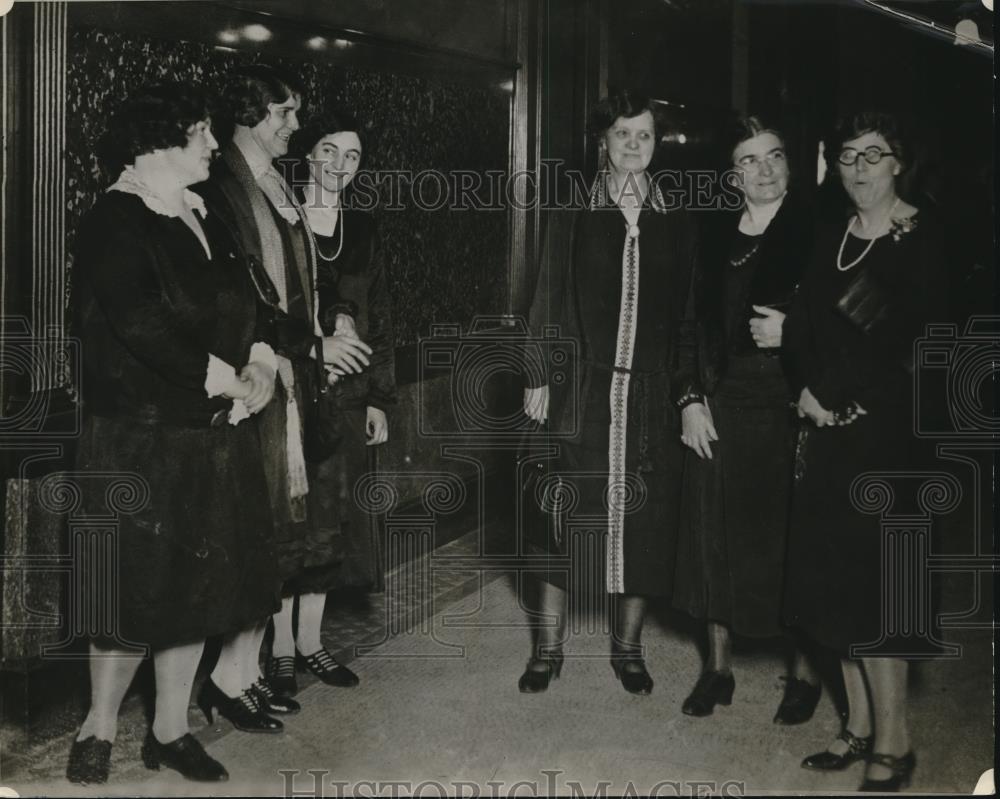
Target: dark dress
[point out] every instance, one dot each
(734, 507)
(343, 546)
(150, 306)
(834, 577)
(614, 421)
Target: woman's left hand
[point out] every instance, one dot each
(376, 426)
(809, 407)
(766, 329)
(261, 380)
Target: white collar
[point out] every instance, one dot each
(129, 183)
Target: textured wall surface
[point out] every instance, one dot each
(443, 265)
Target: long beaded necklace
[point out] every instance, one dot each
(736, 263)
(871, 242)
(340, 239)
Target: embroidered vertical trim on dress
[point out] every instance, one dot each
(619, 412)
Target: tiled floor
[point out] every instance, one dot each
(439, 704)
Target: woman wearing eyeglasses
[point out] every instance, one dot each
(737, 479)
(875, 281)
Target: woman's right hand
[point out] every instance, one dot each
(346, 352)
(536, 403)
(698, 429)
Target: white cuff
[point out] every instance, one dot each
(263, 354)
(220, 376)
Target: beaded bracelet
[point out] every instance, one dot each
(690, 399)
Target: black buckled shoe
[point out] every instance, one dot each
(272, 702)
(901, 768)
(185, 755)
(89, 761)
(325, 666)
(244, 711)
(857, 749)
(536, 680)
(630, 668)
(799, 702)
(281, 675)
(713, 688)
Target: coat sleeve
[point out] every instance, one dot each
(382, 372)
(685, 378)
(127, 280)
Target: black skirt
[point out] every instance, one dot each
(734, 508)
(198, 558)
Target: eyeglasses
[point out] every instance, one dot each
(849, 156)
(753, 162)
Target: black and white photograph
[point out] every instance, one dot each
(497, 398)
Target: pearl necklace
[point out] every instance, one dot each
(871, 243)
(340, 242)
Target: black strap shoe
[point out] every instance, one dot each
(713, 688)
(799, 702)
(539, 673)
(185, 755)
(244, 711)
(325, 666)
(630, 668)
(857, 749)
(272, 702)
(89, 761)
(901, 768)
(280, 674)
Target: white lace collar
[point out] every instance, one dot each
(129, 183)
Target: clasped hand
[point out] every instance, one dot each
(346, 353)
(766, 328)
(809, 408)
(254, 386)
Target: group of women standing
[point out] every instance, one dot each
(775, 350)
(213, 325)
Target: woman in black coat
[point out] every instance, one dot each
(738, 477)
(174, 363)
(615, 290)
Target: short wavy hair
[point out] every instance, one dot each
(156, 117)
(887, 125)
(252, 89)
(625, 103)
(744, 128)
(333, 121)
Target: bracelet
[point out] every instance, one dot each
(690, 399)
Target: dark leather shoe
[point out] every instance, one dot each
(280, 674)
(902, 770)
(857, 749)
(799, 702)
(713, 688)
(630, 668)
(273, 702)
(535, 680)
(89, 761)
(325, 666)
(185, 755)
(244, 711)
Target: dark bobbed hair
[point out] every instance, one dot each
(888, 126)
(623, 103)
(305, 138)
(744, 128)
(156, 117)
(252, 88)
